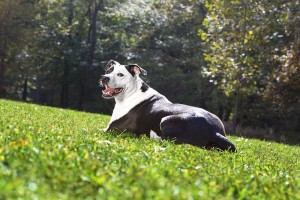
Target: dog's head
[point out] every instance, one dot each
(120, 80)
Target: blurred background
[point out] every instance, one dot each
(238, 59)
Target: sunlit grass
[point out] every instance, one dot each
(49, 153)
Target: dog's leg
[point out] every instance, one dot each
(179, 129)
(194, 130)
(223, 143)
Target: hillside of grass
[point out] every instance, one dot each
(50, 153)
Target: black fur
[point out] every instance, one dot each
(131, 71)
(181, 123)
(144, 87)
(110, 64)
(109, 70)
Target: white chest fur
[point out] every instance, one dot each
(128, 103)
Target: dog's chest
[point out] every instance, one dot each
(134, 121)
(130, 102)
(125, 123)
(139, 120)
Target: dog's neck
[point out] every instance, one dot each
(133, 98)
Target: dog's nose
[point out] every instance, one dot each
(104, 79)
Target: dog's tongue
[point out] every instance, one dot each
(108, 90)
(111, 91)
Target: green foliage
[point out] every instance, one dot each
(229, 34)
(245, 40)
(284, 86)
(128, 31)
(252, 49)
(166, 32)
(50, 153)
(15, 32)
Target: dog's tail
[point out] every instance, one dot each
(223, 143)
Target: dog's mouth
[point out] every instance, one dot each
(111, 92)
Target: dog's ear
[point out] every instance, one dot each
(135, 69)
(110, 64)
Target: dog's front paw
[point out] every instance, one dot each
(154, 136)
(105, 129)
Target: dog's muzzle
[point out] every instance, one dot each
(108, 92)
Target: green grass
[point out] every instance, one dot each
(50, 153)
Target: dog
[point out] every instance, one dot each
(139, 109)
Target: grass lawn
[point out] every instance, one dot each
(50, 153)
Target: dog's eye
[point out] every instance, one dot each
(120, 74)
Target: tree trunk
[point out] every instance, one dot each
(38, 93)
(25, 86)
(2, 90)
(91, 41)
(2, 76)
(236, 106)
(64, 97)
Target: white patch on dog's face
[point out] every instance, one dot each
(120, 83)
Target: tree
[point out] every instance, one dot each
(61, 28)
(283, 92)
(15, 22)
(162, 37)
(244, 41)
(93, 9)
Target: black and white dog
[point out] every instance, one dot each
(141, 110)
